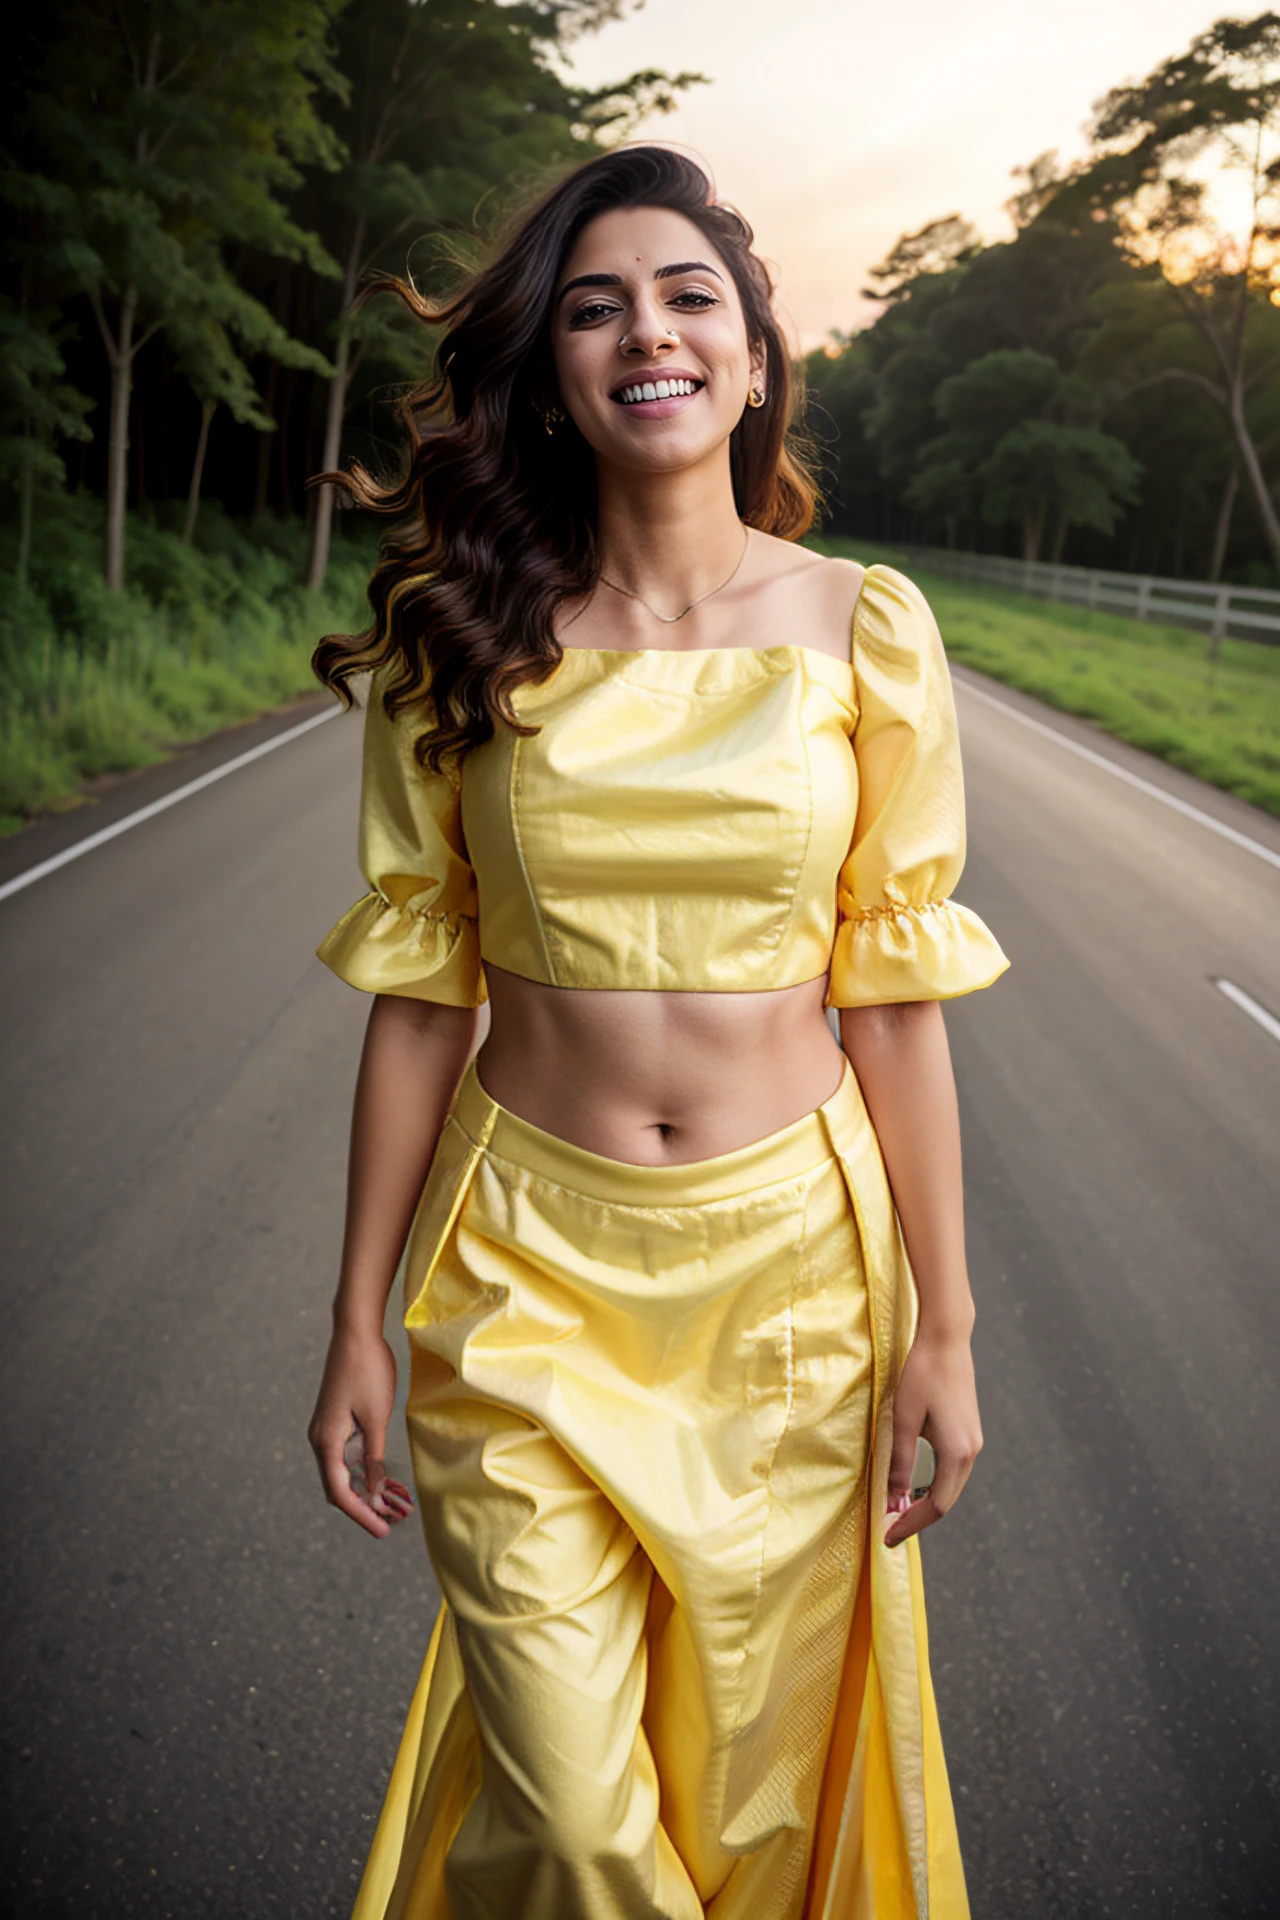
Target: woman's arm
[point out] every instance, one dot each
(414, 1054)
(903, 1064)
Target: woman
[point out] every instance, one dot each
(665, 785)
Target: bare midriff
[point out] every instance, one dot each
(657, 1079)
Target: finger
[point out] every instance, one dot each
(391, 1512)
(339, 1492)
(918, 1515)
(949, 1480)
(387, 1497)
(373, 1446)
(396, 1499)
(905, 1434)
(948, 1484)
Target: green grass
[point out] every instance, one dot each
(202, 637)
(1153, 686)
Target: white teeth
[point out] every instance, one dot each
(656, 390)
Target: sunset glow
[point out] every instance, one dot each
(838, 127)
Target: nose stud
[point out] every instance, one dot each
(669, 333)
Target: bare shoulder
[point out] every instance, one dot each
(823, 588)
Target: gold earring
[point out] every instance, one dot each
(755, 397)
(551, 416)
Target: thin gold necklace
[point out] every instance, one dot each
(669, 619)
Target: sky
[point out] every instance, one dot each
(837, 125)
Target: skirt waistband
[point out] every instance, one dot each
(786, 1155)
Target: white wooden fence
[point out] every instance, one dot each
(1244, 613)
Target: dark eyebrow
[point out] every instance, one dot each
(589, 280)
(688, 266)
(615, 279)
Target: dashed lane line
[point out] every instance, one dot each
(1247, 1004)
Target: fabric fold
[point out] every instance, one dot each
(894, 954)
(416, 931)
(899, 935)
(384, 948)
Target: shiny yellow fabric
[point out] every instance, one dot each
(677, 1676)
(725, 820)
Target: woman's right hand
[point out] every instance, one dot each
(354, 1404)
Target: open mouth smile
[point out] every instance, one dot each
(655, 393)
(666, 388)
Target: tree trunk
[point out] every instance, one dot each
(1060, 533)
(26, 496)
(138, 445)
(266, 441)
(118, 441)
(1222, 531)
(166, 395)
(323, 528)
(207, 411)
(1032, 528)
(1257, 480)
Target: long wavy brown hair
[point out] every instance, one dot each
(497, 517)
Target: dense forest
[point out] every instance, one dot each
(193, 192)
(196, 191)
(1104, 388)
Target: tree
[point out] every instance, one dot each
(1215, 106)
(1143, 345)
(1042, 467)
(158, 133)
(980, 406)
(209, 345)
(447, 102)
(38, 407)
(949, 305)
(1014, 451)
(933, 249)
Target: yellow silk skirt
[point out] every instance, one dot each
(677, 1675)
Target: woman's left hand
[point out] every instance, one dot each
(936, 1398)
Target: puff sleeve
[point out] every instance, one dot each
(416, 931)
(899, 935)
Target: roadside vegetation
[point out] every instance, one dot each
(202, 636)
(1213, 712)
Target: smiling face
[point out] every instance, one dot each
(650, 343)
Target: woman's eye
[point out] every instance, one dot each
(594, 310)
(695, 298)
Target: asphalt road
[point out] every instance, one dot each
(208, 1669)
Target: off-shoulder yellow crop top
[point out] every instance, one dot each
(713, 821)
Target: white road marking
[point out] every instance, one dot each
(93, 840)
(1118, 772)
(1247, 1004)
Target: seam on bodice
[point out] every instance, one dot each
(803, 862)
(514, 796)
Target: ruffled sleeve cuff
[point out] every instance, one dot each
(890, 954)
(383, 948)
